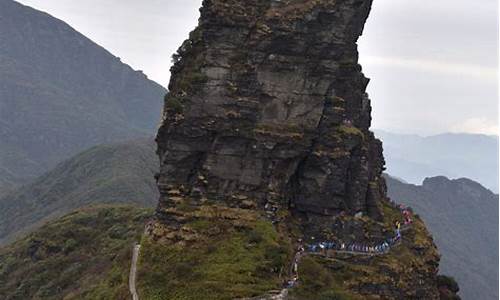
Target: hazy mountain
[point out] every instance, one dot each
(83, 255)
(117, 173)
(60, 93)
(463, 217)
(414, 158)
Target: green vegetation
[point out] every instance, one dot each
(280, 130)
(349, 131)
(190, 60)
(69, 102)
(116, 173)
(317, 282)
(190, 79)
(83, 255)
(229, 253)
(352, 276)
(173, 104)
(448, 282)
(233, 263)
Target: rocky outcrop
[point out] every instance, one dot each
(267, 105)
(267, 121)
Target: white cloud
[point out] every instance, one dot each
(477, 125)
(428, 60)
(486, 73)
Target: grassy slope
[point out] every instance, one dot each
(83, 255)
(228, 253)
(217, 253)
(117, 173)
(364, 277)
(239, 255)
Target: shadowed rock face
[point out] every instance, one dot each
(267, 105)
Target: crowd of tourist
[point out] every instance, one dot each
(381, 247)
(323, 247)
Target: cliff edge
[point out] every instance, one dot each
(265, 147)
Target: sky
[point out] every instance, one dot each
(432, 64)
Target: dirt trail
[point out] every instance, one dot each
(133, 272)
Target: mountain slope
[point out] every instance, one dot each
(116, 173)
(60, 93)
(414, 158)
(463, 217)
(83, 255)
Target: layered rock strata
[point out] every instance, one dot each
(267, 108)
(266, 125)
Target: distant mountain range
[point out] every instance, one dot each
(116, 173)
(463, 217)
(61, 93)
(413, 158)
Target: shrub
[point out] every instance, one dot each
(190, 79)
(254, 237)
(70, 245)
(174, 105)
(448, 282)
(332, 295)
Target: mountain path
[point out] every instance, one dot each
(283, 293)
(133, 272)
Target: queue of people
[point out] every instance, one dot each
(354, 247)
(325, 246)
(381, 247)
(295, 266)
(406, 214)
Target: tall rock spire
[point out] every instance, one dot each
(267, 107)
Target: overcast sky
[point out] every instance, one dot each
(433, 64)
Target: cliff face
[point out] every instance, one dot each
(267, 104)
(265, 141)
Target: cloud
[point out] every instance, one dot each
(472, 70)
(477, 125)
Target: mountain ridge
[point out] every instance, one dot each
(454, 155)
(462, 215)
(74, 93)
(117, 173)
(84, 254)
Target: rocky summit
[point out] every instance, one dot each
(267, 105)
(265, 148)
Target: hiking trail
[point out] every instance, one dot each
(133, 272)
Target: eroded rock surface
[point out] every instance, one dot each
(267, 105)
(267, 120)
